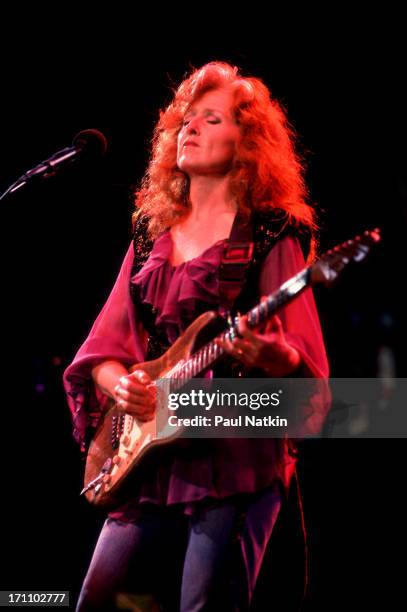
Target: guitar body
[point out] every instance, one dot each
(121, 441)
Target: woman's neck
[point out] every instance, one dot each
(209, 197)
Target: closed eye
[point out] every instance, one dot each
(212, 120)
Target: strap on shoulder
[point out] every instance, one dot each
(236, 258)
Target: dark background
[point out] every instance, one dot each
(63, 241)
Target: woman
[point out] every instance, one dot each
(223, 159)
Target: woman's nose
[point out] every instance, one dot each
(193, 126)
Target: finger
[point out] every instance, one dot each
(137, 409)
(134, 385)
(134, 394)
(228, 347)
(262, 327)
(246, 332)
(239, 350)
(244, 346)
(138, 396)
(140, 376)
(274, 325)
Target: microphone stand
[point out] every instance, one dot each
(84, 143)
(45, 169)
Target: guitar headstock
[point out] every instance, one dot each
(331, 263)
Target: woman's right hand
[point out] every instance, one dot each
(136, 395)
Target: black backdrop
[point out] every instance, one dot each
(63, 241)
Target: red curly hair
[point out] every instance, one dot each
(268, 172)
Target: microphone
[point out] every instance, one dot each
(85, 145)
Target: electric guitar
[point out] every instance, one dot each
(121, 441)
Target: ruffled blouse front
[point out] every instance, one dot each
(178, 294)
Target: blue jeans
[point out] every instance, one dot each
(209, 561)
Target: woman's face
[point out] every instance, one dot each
(207, 140)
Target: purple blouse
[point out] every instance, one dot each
(208, 469)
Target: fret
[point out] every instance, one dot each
(254, 316)
(213, 351)
(281, 298)
(205, 356)
(214, 348)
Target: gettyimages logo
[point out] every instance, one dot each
(219, 399)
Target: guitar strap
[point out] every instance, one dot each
(251, 239)
(236, 258)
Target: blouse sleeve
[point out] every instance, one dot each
(116, 334)
(301, 326)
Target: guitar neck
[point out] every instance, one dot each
(207, 355)
(274, 302)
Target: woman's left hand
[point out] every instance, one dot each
(268, 351)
